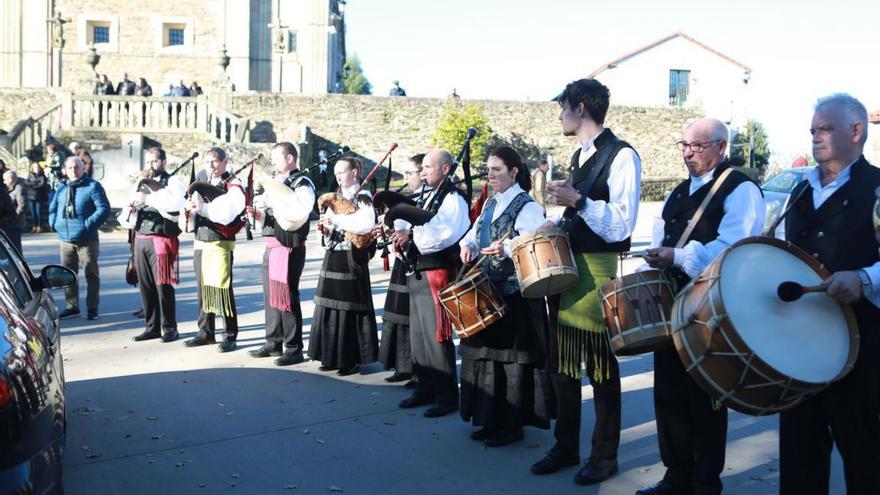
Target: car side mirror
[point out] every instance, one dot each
(57, 277)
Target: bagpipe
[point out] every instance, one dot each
(209, 192)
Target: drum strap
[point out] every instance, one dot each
(692, 223)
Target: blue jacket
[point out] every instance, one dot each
(90, 209)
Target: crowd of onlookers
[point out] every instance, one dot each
(127, 87)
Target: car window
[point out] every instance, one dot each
(783, 182)
(10, 269)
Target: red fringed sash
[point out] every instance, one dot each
(437, 280)
(279, 290)
(167, 267)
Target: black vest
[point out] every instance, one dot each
(840, 233)
(680, 208)
(449, 257)
(206, 230)
(583, 239)
(151, 222)
(288, 238)
(501, 270)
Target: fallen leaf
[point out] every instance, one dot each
(230, 413)
(306, 431)
(158, 437)
(644, 470)
(292, 487)
(236, 476)
(390, 423)
(84, 447)
(202, 485)
(336, 489)
(93, 455)
(152, 418)
(320, 441)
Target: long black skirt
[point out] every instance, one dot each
(395, 350)
(504, 379)
(344, 332)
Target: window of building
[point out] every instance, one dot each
(101, 34)
(679, 82)
(101, 30)
(291, 42)
(175, 37)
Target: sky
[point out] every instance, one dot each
(529, 50)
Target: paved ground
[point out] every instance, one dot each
(154, 418)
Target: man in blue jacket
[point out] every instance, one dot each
(79, 207)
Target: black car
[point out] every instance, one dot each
(32, 413)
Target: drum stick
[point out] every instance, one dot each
(792, 291)
(478, 261)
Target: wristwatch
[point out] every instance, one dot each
(580, 204)
(867, 286)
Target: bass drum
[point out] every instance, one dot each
(747, 348)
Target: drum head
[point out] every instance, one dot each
(807, 339)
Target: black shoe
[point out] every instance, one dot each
(414, 401)
(326, 368)
(200, 340)
(170, 336)
(555, 460)
(438, 410)
(263, 352)
(226, 346)
(288, 359)
(662, 487)
(411, 385)
(139, 313)
(481, 435)
(398, 377)
(92, 314)
(146, 335)
(596, 471)
(505, 437)
(69, 313)
(348, 371)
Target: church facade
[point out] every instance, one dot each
(291, 46)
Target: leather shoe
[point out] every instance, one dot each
(412, 384)
(481, 435)
(438, 410)
(170, 336)
(138, 314)
(348, 371)
(200, 340)
(414, 401)
(226, 346)
(505, 437)
(288, 359)
(596, 471)
(263, 352)
(555, 460)
(69, 313)
(398, 377)
(326, 368)
(662, 487)
(146, 335)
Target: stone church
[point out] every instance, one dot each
(290, 46)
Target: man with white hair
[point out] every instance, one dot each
(831, 220)
(691, 426)
(16, 193)
(79, 207)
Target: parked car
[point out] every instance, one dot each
(32, 412)
(777, 188)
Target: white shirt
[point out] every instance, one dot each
(224, 208)
(170, 198)
(363, 220)
(820, 195)
(615, 219)
(446, 228)
(294, 208)
(527, 221)
(743, 217)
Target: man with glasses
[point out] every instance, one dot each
(691, 426)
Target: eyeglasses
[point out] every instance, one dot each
(411, 172)
(696, 147)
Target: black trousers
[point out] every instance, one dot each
(283, 329)
(433, 362)
(691, 433)
(606, 397)
(846, 414)
(158, 300)
(206, 320)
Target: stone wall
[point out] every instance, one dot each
(16, 104)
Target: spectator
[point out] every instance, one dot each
(453, 96)
(3, 167)
(55, 162)
(195, 89)
(539, 182)
(88, 162)
(74, 147)
(126, 86)
(16, 193)
(8, 218)
(179, 89)
(103, 86)
(142, 88)
(37, 195)
(80, 206)
(397, 90)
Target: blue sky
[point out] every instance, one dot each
(494, 49)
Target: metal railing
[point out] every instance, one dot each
(29, 133)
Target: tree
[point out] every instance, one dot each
(353, 80)
(752, 143)
(453, 125)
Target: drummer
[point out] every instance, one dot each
(831, 220)
(504, 383)
(692, 427)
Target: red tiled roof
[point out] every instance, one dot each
(613, 63)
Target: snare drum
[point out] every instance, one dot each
(747, 348)
(637, 310)
(472, 304)
(544, 263)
